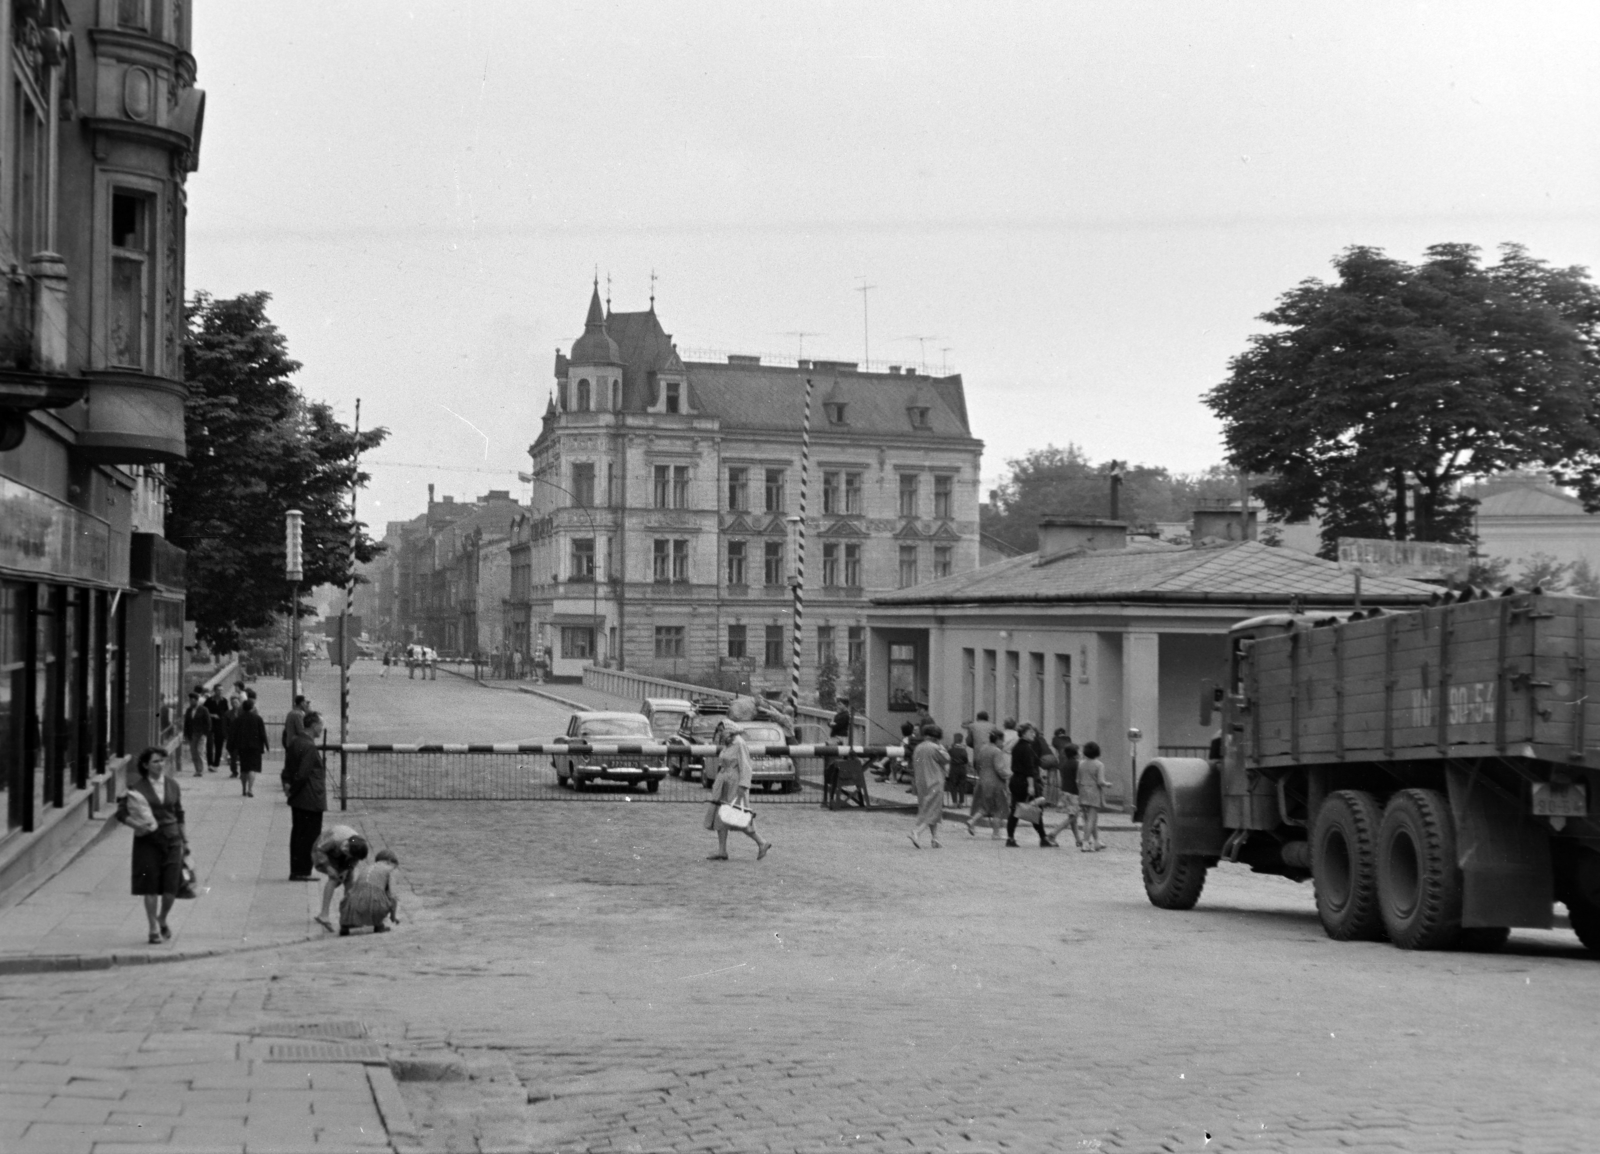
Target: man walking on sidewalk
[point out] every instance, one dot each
(217, 739)
(305, 784)
(196, 731)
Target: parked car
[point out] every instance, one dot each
(698, 728)
(606, 728)
(765, 771)
(666, 715)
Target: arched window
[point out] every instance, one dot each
(583, 395)
(616, 396)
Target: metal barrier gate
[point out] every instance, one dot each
(449, 772)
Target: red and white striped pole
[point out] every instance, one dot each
(800, 558)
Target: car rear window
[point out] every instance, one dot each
(616, 727)
(665, 722)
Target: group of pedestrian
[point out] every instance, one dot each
(1020, 777)
(215, 724)
(153, 807)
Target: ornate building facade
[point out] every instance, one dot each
(666, 496)
(100, 125)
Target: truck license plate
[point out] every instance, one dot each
(1552, 800)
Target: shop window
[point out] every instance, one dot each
(902, 683)
(577, 642)
(132, 281)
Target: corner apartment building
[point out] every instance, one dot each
(662, 536)
(100, 126)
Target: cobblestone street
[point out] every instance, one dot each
(580, 977)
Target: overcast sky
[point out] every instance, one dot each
(1081, 206)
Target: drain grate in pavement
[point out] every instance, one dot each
(349, 1029)
(320, 1052)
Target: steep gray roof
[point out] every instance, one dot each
(773, 397)
(1239, 572)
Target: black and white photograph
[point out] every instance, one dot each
(551, 550)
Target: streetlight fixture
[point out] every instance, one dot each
(294, 570)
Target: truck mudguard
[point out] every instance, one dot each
(1195, 787)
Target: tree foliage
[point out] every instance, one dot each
(1065, 482)
(1376, 395)
(257, 448)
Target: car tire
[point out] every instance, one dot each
(653, 785)
(1419, 881)
(1344, 866)
(577, 783)
(1172, 881)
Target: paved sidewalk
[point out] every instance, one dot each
(85, 918)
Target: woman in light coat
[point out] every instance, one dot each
(930, 761)
(735, 775)
(992, 798)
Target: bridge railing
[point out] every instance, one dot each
(812, 720)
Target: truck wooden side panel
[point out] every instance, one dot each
(1505, 676)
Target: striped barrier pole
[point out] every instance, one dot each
(634, 749)
(800, 557)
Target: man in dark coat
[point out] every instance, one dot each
(197, 731)
(305, 783)
(217, 738)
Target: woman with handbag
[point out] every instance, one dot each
(153, 809)
(1024, 788)
(731, 792)
(929, 763)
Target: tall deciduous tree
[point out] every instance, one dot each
(1377, 394)
(1064, 482)
(257, 448)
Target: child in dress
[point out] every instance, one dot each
(369, 896)
(1092, 786)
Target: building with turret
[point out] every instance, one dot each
(664, 528)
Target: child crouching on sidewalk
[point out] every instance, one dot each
(369, 896)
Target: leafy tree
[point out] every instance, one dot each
(1547, 572)
(828, 682)
(1065, 482)
(1375, 395)
(1585, 581)
(856, 694)
(257, 448)
(1489, 572)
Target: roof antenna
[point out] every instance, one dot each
(608, 294)
(652, 290)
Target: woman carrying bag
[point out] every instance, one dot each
(731, 791)
(153, 809)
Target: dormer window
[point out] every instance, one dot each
(919, 416)
(674, 397)
(834, 411)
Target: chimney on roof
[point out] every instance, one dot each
(894, 370)
(449, 500)
(1217, 525)
(495, 495)
(1059, 534)
(430, 494)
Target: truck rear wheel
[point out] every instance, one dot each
(1172, 881)
(1419, 882)
(1344, 866)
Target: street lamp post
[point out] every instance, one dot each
(294, 570)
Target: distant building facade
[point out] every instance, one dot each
(99, 129)
(662, 536)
